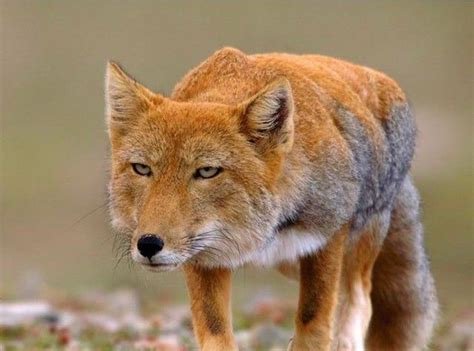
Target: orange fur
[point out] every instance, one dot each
(211, 315)
(307, 156)
(319, 287)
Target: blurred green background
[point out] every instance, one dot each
(54, 146)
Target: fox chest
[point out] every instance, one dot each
(287, 246)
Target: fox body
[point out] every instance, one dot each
(298, 162)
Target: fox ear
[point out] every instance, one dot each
(267, 117)
(125, 99)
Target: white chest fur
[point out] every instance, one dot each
(288, 246)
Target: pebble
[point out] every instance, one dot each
(14, 314)
(267, 336)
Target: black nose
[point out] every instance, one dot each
(149, 245)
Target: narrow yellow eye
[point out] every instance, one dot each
(141, 169)
(207, 172)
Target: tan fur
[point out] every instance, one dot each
(211, 315)
(355, 309)
(319, 286)
(310, 154)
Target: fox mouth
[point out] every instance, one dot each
(160, 267)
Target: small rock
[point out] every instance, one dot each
(172, 319)
(107, 323)
(123, 302)
(135, 323)
(269, 308)
(268, 336)
(163, 343)
(64, 336)
(244, 340)
(14, 314)
(118, 303)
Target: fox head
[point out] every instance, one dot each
(195, 182)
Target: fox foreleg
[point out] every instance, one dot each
(319, 287)
(209, 292)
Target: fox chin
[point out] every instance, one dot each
(297, 162)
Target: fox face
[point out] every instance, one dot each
(195, 182)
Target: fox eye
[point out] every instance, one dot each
(207, 172)
(141, 169)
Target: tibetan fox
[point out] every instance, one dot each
(298, 162)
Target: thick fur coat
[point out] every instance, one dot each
(298, 162)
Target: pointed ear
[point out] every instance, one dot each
(267, 117)
(125, 99)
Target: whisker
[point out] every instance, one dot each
(80, 219)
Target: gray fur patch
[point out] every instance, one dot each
(400, 131)
(380, 170)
